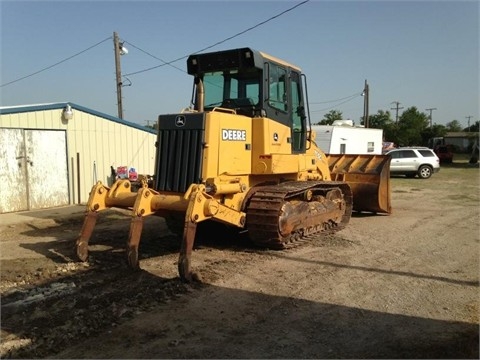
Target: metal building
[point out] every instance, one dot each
(52, 154)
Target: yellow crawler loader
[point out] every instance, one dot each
(244, 155)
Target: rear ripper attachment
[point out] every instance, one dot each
(101, 198)
(276, 216)
(196, 204)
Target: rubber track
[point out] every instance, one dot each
(264, 207)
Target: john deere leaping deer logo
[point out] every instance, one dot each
(180, 121)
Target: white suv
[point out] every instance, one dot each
(412, 161)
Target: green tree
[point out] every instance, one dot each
(411, 125)
(436, 130)
(473, 128)
(378, 121)
(330, 117)
(454, 126)
(391, 132)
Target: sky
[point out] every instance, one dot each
(422, 54)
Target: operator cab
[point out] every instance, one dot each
(253, 84)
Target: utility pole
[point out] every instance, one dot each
(365, 104)
(118, 74)
(468, 119)
(431, 109)
(396, 108)
(119, 50)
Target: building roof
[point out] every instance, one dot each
(461, 134)
(60, 105)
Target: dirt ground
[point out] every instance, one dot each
(398, 286)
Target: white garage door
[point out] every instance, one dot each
(33, 169)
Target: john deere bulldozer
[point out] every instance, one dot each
(243, 155)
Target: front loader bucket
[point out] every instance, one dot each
(368, 177)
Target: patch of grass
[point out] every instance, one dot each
(459, 178)
(462, 161)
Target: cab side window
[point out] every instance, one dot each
(298, 114)
(277, 97)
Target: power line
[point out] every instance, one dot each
(219, 42)
(58, 63)
(330, 101)
(164, 62)
(332, 107)
(153, 56)
(396, 108)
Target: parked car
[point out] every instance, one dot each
(444, 153)
(413, 161)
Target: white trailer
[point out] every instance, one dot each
(346, 139)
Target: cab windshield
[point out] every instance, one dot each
(231, 89)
